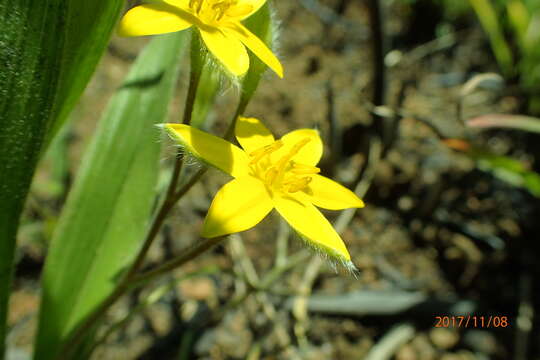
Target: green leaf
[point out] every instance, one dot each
(518, 122)
(89, 26)
(48, 50)
(519, 18)
(494, 28)
(106, 215)
(509, 170)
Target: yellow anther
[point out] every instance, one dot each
(301, 169)
(258, 154)
(270, 176)
(215, 10)
(219, 9)
(298, 146)
(196, 5)
(284, 161)
(298, 184)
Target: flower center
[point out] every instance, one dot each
(212, 12)
(285, 174)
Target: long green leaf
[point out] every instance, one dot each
(89, 25)
(48, 50)
(507, 169)
(494, 28)
(106, 214)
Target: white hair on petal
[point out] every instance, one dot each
(333, 259)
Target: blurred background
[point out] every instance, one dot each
(403, 92)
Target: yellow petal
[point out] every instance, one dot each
(211, 149)
(328, 194)
(239, 205)
(153, 19)
(182, 4)
(252, 134)
(227, 49)
(258, 47)
(255, 4)
(309, 154)
(313, 226)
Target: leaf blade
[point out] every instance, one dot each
(34, 46)
(112, 198)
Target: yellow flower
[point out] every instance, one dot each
(270, 174)
(218, 22)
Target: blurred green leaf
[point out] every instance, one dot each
(56, 162)
(48, 50)
(509, 170)
(518, 122)
(107, 211)
(494, 28)
(519, 18)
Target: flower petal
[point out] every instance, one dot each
(256, 45)
(182, 4)
(312, 225)
(239, 205)
(211, 149)
(227, 48)
(255, 4)
(150, 19)
(252, 134)
(310, 153)
(328, 194)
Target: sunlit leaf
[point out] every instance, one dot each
(106, 215)
(494, 28)
(48, 51)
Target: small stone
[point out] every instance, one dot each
(197, 289)
(406, 352)
(444, 338)
(481, 341)
(160, 318)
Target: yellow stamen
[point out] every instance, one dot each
(258, 154)
(196, 5)
(220, 9)
(301, 169)
(215, 10)
(270, 176)
(298, 184)
(284, 161)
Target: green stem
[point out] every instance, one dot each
(188, 254)
(240, 109)
(171, 198)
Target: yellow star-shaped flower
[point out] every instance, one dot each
(270, 174)
(218, 21)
